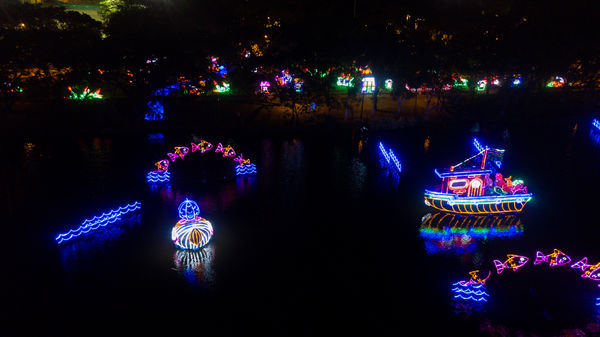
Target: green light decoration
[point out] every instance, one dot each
(460, 83)
(388, 84)
(345, 81)
(221, 89)
(86, 94)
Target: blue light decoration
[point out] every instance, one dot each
(156, 177)
(188, 209)
(516, 81)
(469, 292)
(243, 170)
(368, 85)
(496, 152)
(595, 132)
(156, 138)
(390, 158)
(156, 109)
(98, 221)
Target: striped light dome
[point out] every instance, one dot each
(192, 234)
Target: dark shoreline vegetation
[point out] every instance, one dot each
(142, 46)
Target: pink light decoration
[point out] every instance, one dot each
(173, 156)
(228, 151)
(475, 278)
(581, 264)
(162, 165)
(220, 148)
(203, 146)
(557, 258)
(181, 151)
(513, 262)
(240, 159)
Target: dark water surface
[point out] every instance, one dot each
(320, 242)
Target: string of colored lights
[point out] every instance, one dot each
(98, 221)
(85, 94)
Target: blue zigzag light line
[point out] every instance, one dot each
(245, 169)
(390, 157)
(470, 298)
(98, 221)
(158, 177)
(470, 292)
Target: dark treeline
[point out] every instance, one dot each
(46, 48)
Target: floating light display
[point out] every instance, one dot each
(557, 82)
(216, 68)
(345, 80)
(469, 292)
(85, 94)
(97, 222)
(203, 146)
(596, 124)
(242, 170)
(191, 231)
(188, 209)
(156, 138)
(513, 262)
(388, 84)
(557, 258)
(390, 158)
(471, 190)
(423, 88)
(158, 176)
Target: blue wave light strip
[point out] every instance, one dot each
(469, 292)
(596, 124)
(158, 177)
(245, 169)
(390, 157)
(98, 221)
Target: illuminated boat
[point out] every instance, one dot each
(474, 186)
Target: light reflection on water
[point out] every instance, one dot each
(459, 234)
(196, 265)
(84, 249)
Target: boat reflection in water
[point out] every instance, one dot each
(445, 232)
(196, 265)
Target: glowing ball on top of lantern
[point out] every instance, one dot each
(191, 231)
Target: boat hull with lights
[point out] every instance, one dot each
(450, 202)
(474, 186)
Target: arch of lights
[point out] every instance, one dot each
(161, 174)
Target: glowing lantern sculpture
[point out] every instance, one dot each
(264, 87)
(388, 84)
(368, 85)
(191, 231)
(557, 82)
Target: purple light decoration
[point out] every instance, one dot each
(513, 262)
(557, 258)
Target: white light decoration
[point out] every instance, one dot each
(368, 85)
(192, 234)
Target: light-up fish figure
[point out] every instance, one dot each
(513, 262)
(557, 258)
(581, 264)
(475, 278)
